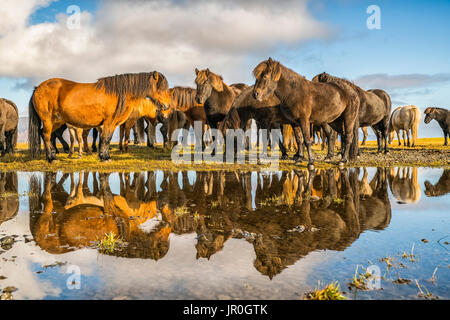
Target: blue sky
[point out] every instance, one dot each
(411, 44)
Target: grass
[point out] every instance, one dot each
(109, 243)
(330, 292)
(141, 158)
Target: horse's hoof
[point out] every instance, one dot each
(106, 160)
(342, 164)
(310, 166)
(284, 157)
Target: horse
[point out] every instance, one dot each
(266, 113)
(135, 120)
(215, 95)
(404, 118)
(9, 120)
(9, 198)
(442, 116)
(107, 104)
(374, 111)
(304, 102)
(186, 111)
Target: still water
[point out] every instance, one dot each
(225, 235)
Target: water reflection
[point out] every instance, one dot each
(284, 215)
(9, 198)
(404, 184)
(442, 187)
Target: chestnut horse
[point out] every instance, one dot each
(304, 102)
(106, 104)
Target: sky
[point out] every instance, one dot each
(407, 56)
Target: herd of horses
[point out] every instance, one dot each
(279, 99)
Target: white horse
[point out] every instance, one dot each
(407, 119)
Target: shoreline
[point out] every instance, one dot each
(429, 152)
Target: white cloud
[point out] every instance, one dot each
(401, 81)
(173, 37)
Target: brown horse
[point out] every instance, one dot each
(107, 104)
(374, 110)
(9, 119)
(215, 95)
(185, 110)
(134, 120)
(305, 102)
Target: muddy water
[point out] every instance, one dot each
(225, 235)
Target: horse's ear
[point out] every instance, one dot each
(276, 72)
(270, 60)
(216, 83)
(155, 76)
(197, 71)
(207, 71)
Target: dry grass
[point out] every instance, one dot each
(428, 152)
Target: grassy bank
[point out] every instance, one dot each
(428, 152)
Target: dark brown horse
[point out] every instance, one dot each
(441, 188)
(215, 95)
(374, 110)
(9, 119)
(442, 116)
(267, 114)
(107, 104)
(304, 102)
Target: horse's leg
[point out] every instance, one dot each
(85, 142)
(72, 141)
(298, 139)
(407, 134)
(79, 133)
(305, 126)
(94, 139)
(9, 141)
(47, 128)
(446, 134)
(349, 129)
(121, 135)
(105, 140)
(331, 140)
(398, 137)
(127, 131)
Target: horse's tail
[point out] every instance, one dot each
(416, 117)
(34, 126)
(140, 129)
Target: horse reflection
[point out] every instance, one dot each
(9, 198)
(404, 185)
(442, 187)
(72, 221)
(284, 215)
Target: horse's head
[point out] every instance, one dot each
(159, 93)
(206, 82)
(267, 75)
(429, 115)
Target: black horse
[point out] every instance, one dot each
(442, 116)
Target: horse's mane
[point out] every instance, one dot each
(428, 110)
(325, 77)
(183, 97)
(134, 85)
